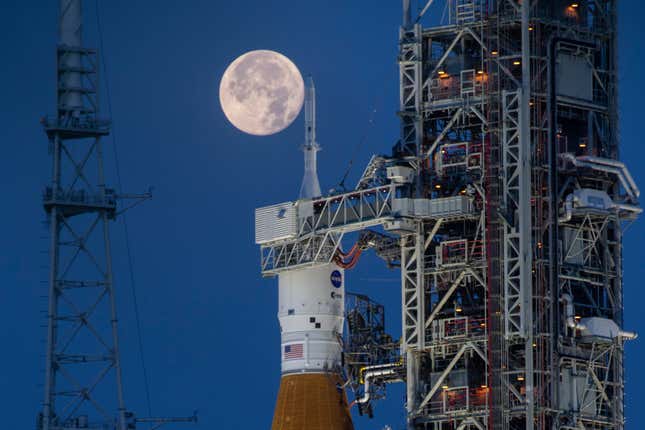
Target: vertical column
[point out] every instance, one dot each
(412, 276)
(52, 312)
(70, 32)
(526, 288)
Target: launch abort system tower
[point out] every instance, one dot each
(503, 204)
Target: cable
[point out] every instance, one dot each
(123, 216)
(370, 123)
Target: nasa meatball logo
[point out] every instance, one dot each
(336, 278)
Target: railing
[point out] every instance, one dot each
(458, 327)
(84, 123)
(458, 400)
(458, 252)
(446, 87)
(79, 198)
(457, 158)
(465, 12)
(350, 211)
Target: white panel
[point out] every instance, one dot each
(433, 208)
(276, 222)
(400, 174)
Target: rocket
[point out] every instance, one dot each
(311, 314)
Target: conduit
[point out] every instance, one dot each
(349, 259)
(374, 372)
(608, 166)
(570, 199)
(608, 326)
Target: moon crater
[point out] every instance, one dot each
(261, 92)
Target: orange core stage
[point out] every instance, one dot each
(311, 401)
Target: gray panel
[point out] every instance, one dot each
(574, 77)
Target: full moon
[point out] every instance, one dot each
(261, 92)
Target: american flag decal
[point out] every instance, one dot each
(293, 351)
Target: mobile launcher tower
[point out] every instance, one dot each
(503, 204)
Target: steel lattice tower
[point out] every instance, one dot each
(82, 338)
(83, 384)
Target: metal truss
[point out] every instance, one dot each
(461, 352)
(82, 350)
(322, 226)
(516, 205)
(598, 404)
(347, 212)
(413, 284)
(305, 252)
(411, 97)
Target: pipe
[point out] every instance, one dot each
(570, 318)
(581, 279)
(568, 209)
(628, 335)
(572, 323)
(615, 163)
(381, 366)
(607, 166)
(366, 384)
(628, 208)
(569, 203)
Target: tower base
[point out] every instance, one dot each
(311, 401)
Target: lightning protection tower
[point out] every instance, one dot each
(83, 384)
(82, 339)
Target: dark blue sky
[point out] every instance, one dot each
(209, 320)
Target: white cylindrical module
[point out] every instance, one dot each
(311, 313)
(69, 35)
